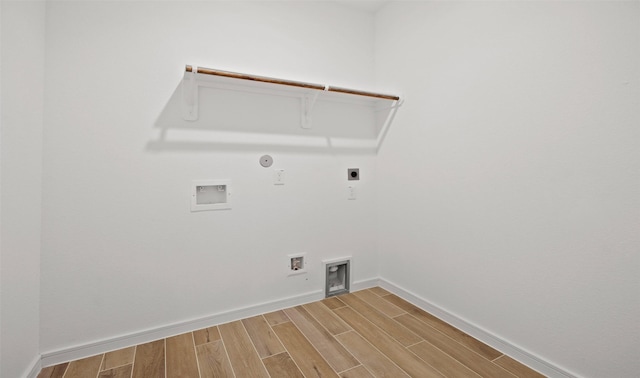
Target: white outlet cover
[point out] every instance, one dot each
(351, 192)
(278, 177)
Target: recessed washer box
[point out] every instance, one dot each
(210, 195)
(297, 264)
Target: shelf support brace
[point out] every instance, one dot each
(307, 103)
(385, 127)
(190, 96)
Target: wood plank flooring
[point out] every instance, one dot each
(369, 333)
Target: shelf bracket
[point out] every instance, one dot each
(388, 121)
(190, 96)
(307, 103)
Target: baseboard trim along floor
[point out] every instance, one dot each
(523, 356)
(34, 369)
(145, 336)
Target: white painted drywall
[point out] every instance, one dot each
(121, 251)
(22, 81)
(516, 156)
(1, 181)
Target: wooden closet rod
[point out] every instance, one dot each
(363, 93)
(299, 84)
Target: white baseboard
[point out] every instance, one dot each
(145, 336)
(511, 350)
(365, 284)
(35, 368)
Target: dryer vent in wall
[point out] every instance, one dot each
(337, 278)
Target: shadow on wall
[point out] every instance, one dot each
(238, 119)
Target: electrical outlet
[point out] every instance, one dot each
(351, 192)
(278, 177)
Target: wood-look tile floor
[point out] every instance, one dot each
(369, 333)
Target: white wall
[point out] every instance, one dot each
(21, 168)
(121, 251)
(0, 181)
(517, 154)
